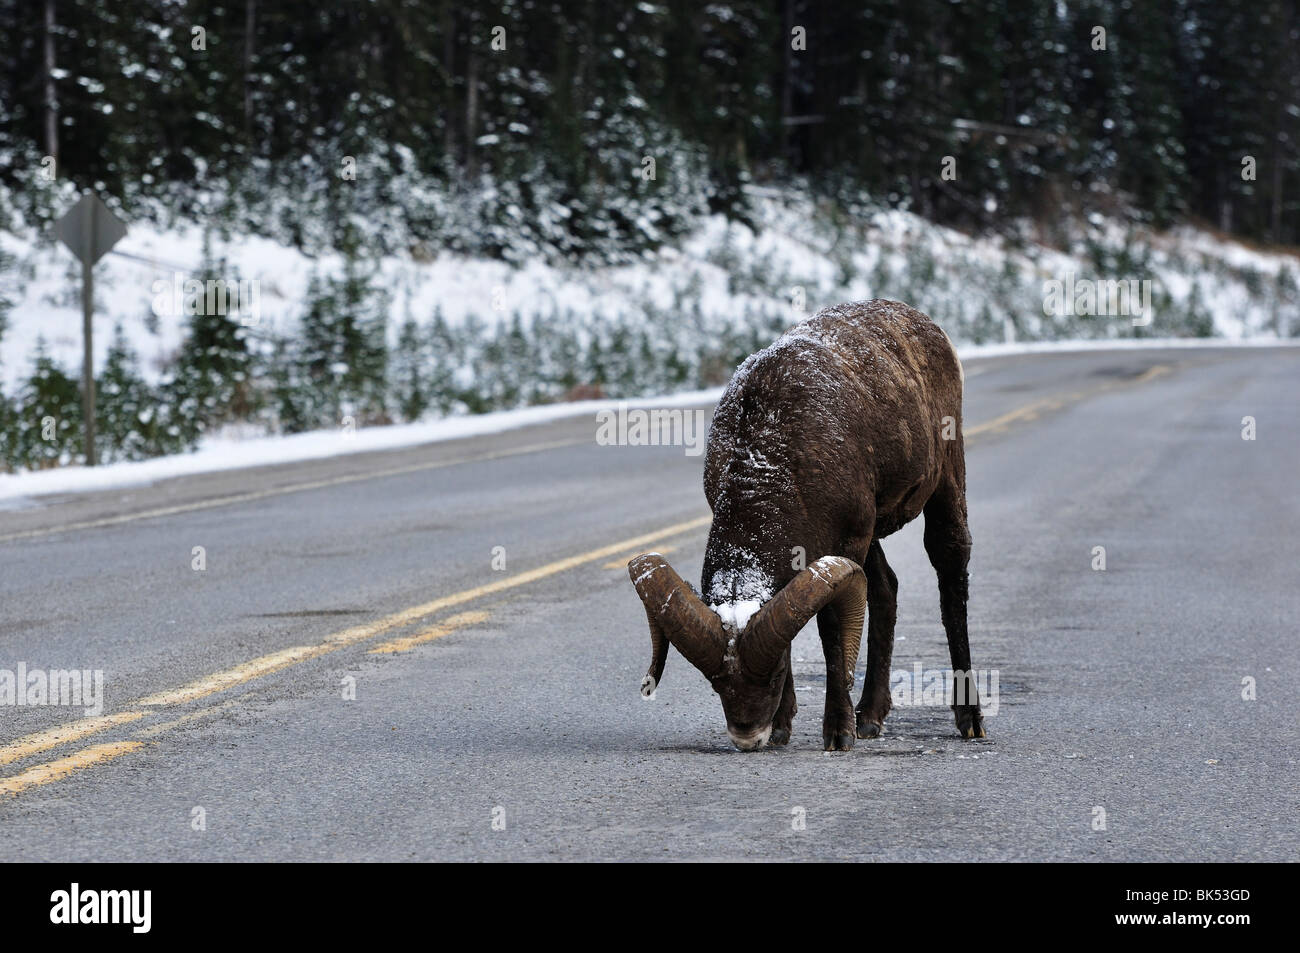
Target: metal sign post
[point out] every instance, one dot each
(89, 229)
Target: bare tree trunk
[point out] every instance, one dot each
(1289, 64)
(447, 21)
(1279, 158)
(787, 79)
(51, 95)
(250, 22)
(1225, 204)
(471, 113)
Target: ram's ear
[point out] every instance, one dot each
(677, 616)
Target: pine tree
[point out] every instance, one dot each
(520, 362)
(291, 397)
(49, 426)
(8, 434)
(343, 358)
(361, 343)
(445, 356)
(130, 424)
(6, 263)
(472, 379)
(412, 391)
(212, 382)
(309, 388)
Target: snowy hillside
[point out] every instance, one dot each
(726, 274)
(338, 342)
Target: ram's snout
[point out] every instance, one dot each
(749, 740)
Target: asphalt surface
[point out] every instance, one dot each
(1121, 731)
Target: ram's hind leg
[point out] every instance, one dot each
(785, 711)
(882, 613)
(947, 543)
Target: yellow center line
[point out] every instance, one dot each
(32, 744)
(62, 767)
(1152, 372)
(237, 675)
(254, 495)
(275, 661)
(446, 627)
(266, 664)
(1028, 412)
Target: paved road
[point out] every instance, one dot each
(510, 695)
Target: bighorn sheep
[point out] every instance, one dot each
(839, 433)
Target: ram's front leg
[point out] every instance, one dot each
(839, 723)
(784, 719)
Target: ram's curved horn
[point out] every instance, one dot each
(831, 579)
(677, 616)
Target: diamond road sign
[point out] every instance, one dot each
(90, 229)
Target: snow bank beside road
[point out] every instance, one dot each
(232, 453)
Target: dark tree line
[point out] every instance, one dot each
(531, 120)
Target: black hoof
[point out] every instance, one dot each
(870, 729)
(837, 741)
(970, 722)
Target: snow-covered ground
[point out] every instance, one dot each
(987, 293)
(979, 289)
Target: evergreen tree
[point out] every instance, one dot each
(310, 388)
(49, 426)
(130, 423)
(8, 415)
(8, 434)
(360, 343)
(471, 381)
(445, 355)
(212, 383)
(6, 288)
(343, 357)
(292, 399)
(412, 391)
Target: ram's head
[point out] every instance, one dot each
(747, 668)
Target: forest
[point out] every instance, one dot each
(588, 134)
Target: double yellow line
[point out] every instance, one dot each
(256, 668)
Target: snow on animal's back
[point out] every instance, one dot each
(864, 387)
(885, 350)
(888, 331)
